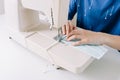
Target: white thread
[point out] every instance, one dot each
(91, 4)
(78, 3)
(112, 11)
(85, 13)
(106, 15)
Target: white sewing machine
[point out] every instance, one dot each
(25, 26)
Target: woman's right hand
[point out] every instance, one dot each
(68, 27)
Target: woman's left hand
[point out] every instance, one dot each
(85, 37)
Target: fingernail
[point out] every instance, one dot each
(68, 39)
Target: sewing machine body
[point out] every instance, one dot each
(25, 27)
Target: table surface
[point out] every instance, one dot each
(18, 63)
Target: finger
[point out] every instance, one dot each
(64, 29)
(67, 28)
(71, 26)
(74, 37)
(81, 42)
(74, 32)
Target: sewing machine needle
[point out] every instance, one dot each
(59, 34)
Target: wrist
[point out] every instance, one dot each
(104, 38)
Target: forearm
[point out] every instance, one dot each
(111, 40)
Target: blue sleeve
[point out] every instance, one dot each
(72, 9)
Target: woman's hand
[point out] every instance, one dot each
(90, 37)
(68, 27)
(85, 37)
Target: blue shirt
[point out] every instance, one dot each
(96, 15)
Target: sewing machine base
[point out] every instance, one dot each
(43, 43)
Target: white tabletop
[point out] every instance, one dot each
(18, 63)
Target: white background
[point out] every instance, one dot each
(18, 63)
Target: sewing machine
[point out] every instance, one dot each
(26, 27)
